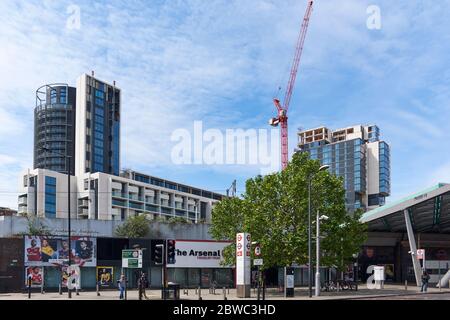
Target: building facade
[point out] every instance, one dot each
(54, 128)
(98, 126)
(101, 196)
(358, 156)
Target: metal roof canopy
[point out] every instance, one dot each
(429, 211)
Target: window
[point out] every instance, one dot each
(98, 151)
(63, 96)
(98, 135)
(98, 143)
(50, 197)
(99, 102)
(99, 94)
(53, 96)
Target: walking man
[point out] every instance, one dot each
(142, 284)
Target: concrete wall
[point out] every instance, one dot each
(13, 226)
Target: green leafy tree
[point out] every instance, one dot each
(274, 210)
(134, 227)
(179, 220)
(35, 227)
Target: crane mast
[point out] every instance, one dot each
(282, 118)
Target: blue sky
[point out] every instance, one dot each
(221, 62)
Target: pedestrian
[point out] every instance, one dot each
(142, 285)
(425, 279)
(121, 283)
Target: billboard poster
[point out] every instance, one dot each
(105, 276)
(198, 254)
(36, 274)
(51, 251)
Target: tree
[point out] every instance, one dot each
(36, 227)
(134, 227)
(274, 210)
(179, 220)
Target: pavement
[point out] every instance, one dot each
(389, 292)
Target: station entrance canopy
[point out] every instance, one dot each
(427, 211)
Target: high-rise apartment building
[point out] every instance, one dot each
(54, 128)
(358, 156)
(98, 189)
(97, 146)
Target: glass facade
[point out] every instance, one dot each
(50, 197)
(103, 148)
(384, 156)
(54, 123)
(347, 160)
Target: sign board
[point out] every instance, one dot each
(420, 254)
(379, 273)
(257, 251)
(258, 262)
(132, 258)
(199, 254)
(54, 251)
(243, 263)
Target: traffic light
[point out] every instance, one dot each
(170, 251)
(159, 254)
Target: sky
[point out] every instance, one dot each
(222, 62)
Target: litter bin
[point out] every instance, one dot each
(175, 288)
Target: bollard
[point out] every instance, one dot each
(60, 289)
(199, 293)
(29, 287)
(76, 291)
(406, 285)
(196, 290)
(98, 290)
(224, 293)
(42, 289)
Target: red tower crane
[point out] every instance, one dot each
(282, 118)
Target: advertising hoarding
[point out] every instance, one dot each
(198, 254)
(105, 276)
(36, 274)
(51, 251)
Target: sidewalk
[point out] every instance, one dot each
(271, 294)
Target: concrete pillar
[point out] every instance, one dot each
(413, 248)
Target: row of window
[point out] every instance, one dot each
(50, 197)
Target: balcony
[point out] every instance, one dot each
(166, 210)
(136, 206)
(180, 213)
(152, 208)
(135, 197)
(119, 203)
(119, 194)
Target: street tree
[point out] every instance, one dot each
(274, 210)
(134, 227)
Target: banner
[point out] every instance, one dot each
(105, 276)
(36, 274)
(198, 254)
(50, 251)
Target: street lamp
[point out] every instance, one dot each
(318, 219)
(311, 176)
(67, 157)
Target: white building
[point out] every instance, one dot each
(101, 196)
(98, 190)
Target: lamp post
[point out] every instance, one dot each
(311, 176)
(68, 207)
(318, 219)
